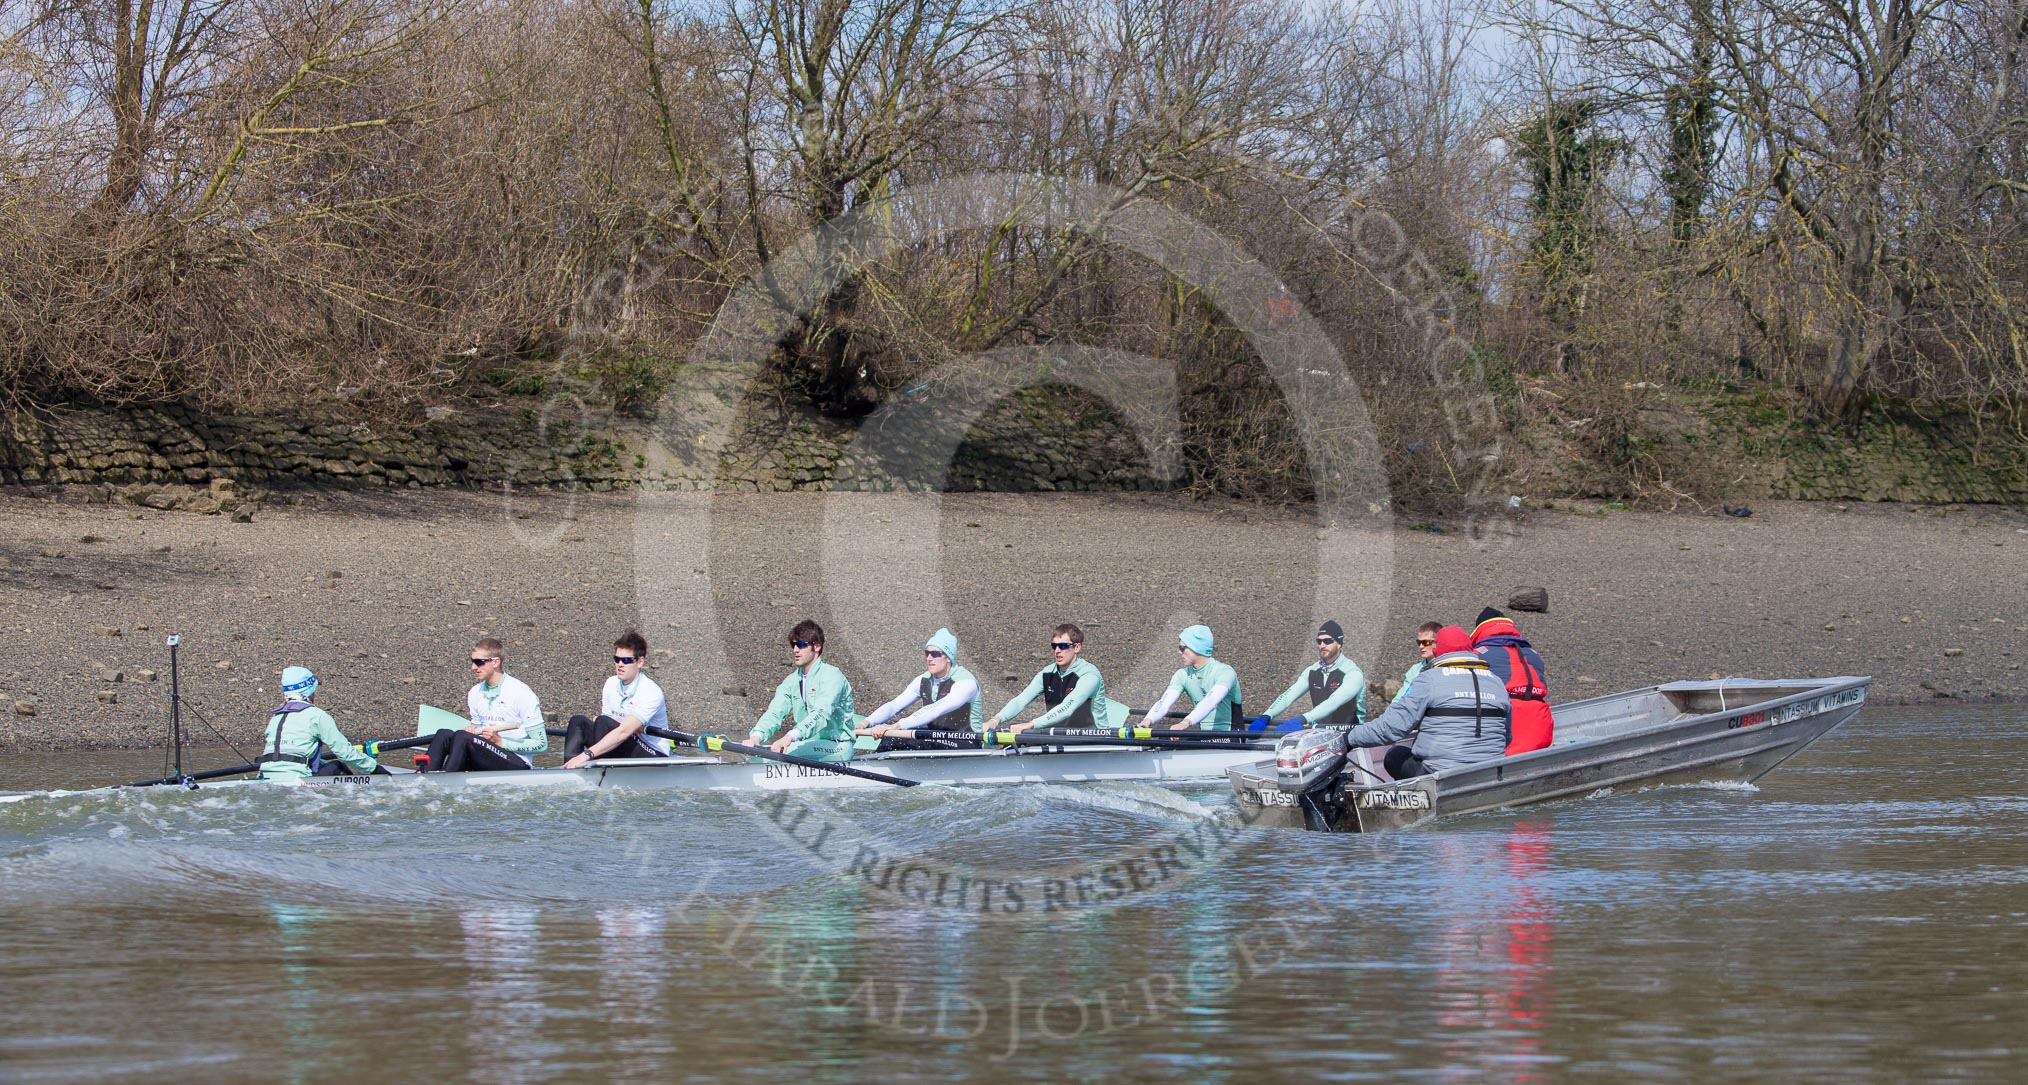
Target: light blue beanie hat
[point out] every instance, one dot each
(944, 642)
(1197, 638)
(298, 682)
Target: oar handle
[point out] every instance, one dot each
(1177, 714)
(376, 747)
(717, 743)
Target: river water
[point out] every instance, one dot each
(1857, 916)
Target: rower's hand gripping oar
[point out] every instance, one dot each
(719, 743)
(374, 747)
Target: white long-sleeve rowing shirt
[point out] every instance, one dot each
(1213, 689)
(941, 701)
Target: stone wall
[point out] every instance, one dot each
(1747, 446)
(1043, 438)
(1900, 459)
(172, 444)
(168, 455)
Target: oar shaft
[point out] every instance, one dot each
(1193, 740)
(971, 737)
(424, 740)
(373, 749)
(207, 774)
(1032, 738)
(1148, 732)
(715, 743)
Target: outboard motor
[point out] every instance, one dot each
(1307, 765)
(1307, 759)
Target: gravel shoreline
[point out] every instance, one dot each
(382, 594)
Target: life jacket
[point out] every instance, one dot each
(1515, 660)
(279, 717)
(1467, 717)
(1057, 685)
(1479, 712)
(1324, 681)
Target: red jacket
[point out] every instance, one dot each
(1519, 666)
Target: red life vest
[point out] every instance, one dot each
(1532, 723)
(1533, 727)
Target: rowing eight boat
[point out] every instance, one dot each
(1051, 764)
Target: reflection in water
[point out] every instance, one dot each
(1530, 924)
(502, 1032)
(1493, 944)
(140, 938)
(632, 962)
(301, 926)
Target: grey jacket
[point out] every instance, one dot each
(1463, 710)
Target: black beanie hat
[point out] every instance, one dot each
(1488, 615)
(1332, 630)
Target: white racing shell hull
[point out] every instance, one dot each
(962, 768)
(1682, 732)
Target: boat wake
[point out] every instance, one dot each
(1740, 786)
(128, 874)
(409, 846)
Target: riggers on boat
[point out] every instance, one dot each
(1073, 762)
(959, 768)
(1683, 732)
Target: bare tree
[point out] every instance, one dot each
(843, 97)
(1816, 95)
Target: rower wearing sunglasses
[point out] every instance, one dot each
(1336, 685)
(814, 701)
(945, 697)
(630, 704)
(1213, 686)
(1071, 688)
(506, 728)
(1425, 642)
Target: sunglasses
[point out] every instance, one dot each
(1425, 643)
(1327, 640)
(1062, 645)
(626, 659)
(932, 653)
(480, 661)
(801, 643)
